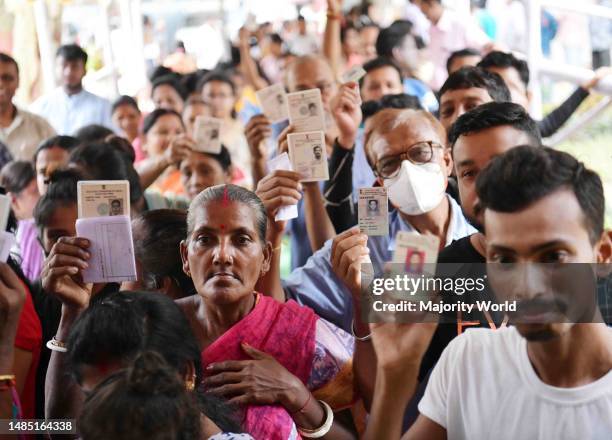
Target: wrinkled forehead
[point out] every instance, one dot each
(404, 129)
(221, 214)
(309, 73)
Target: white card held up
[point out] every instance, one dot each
(111, 249)
(415, 251)
(372, 208)
(7, 241)
(207, 134)
(306, 111)
(282, 162)
(354, 74)
(273, 101)
(5, 209)
(308, 155)
(100, 198)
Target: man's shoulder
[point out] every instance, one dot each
(92, 97)
(32, 117)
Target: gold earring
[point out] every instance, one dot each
(190, 384)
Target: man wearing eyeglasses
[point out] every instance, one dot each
(406, 149)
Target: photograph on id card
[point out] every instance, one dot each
(207, 134)
(103, 198)
(308, 155)
(415, 251)
(372, 208)
(306, 111)
(273, 101)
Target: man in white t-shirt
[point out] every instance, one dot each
(543, 378)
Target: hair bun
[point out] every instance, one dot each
(151, 374)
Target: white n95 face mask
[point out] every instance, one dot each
(416, 189)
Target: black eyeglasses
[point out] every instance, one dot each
(419, 153)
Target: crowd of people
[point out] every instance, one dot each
(210, 341)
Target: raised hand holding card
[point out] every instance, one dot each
(372, 208)
(282, 162)
(101, 198)
(306, 111)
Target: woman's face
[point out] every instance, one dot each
(200, 171)
(165, 96)
(127, 118)
(48, 161)
(60, 224)
(163, 131)
(219, 96)
(224, 255)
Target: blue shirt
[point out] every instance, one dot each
(414, 87)
(67, 114)
(363, 176)
(316, 285)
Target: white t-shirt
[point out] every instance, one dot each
(484, 387)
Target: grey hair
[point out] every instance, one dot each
(231, 193)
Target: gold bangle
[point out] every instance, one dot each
(4, 377)
(333, 15)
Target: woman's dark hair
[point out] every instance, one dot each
(400, 100)
(124, 100)
(151, 118)
(104, 161)
(93, 133)
(157, 238)
(503, 60)
(147, 400)
(223, 157)
(475, 77)
(171, 81)
(216, 75)
(62, 192)
(495, 114)
(391, 37)
(120, 325)
(15, 176)
(232, 193)
(67, 143)
(190, 81)
(159, 71)
(523, 175)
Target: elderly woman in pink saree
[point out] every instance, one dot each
(286, 367)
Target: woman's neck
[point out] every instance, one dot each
(216, 319)
(435, 222)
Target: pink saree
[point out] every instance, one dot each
(285, 331)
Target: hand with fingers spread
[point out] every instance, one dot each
(260, 381)
(178, 149)
(346, 110)
(279, 188)
(349, 251)
(61, 273)
(257, 130)
(283, 143)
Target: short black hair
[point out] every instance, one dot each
(124, 100)
(151, 118)
(72, 52)
(468, 77)
(503, 60)
(93, 133)
(467, 52)
(276, 38)
(67, 143)
(169, 80)
(223, 157)
(378, 63)
(523, 175)
(216, 75)
(7, 59)
(159, 71)
(495, 114)
(400, 101)
(391, 37)
(62, 191)
(15, 176)
(190, 81)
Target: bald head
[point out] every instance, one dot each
(311, 72)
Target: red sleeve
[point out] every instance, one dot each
(29, 332)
